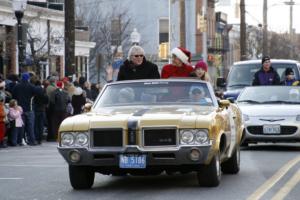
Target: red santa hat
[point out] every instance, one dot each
(182, 54)
(60, 84)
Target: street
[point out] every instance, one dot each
(40, 173)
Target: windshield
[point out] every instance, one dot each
(155, 93)
(242, 75)
(270, 94)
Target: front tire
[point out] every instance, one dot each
(232, 165)
(210, 175)
(81, 177)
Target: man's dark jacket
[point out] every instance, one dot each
(266, 78)
(147, 70)
(23, 93)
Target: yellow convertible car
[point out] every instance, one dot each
(149, 127)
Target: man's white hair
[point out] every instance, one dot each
(135, 50)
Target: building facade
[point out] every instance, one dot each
(45, 31)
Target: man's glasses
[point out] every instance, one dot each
(139, 56)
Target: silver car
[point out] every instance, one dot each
(270, 114)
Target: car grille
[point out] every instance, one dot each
(285, 130)
(159, 137)
(107, 138)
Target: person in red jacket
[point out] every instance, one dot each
(180, 66)
(2, 122)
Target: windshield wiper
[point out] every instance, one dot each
(237, 85)
(249, 101)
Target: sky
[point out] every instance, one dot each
(278, 13)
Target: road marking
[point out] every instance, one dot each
(273, 180)
(33, 166)
(287, 187)
(11, 178)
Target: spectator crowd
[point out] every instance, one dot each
(31, 110)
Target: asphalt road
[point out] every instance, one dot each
(40, 173)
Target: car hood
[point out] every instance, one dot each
(270, 110)
(181, 116)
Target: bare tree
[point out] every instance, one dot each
(110, 29)
(37, 45)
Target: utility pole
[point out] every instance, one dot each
(69, 38)
(265, 28)
(204, 33)
(291, 3)
(182, 23)
(243, 31)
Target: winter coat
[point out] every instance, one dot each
(147, 70)
(266, 78)
(171, 70)
(16, 114)
(23, 93)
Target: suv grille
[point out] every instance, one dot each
(285, 130)
(159, 137)
(107, 138)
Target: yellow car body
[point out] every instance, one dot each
(141, 138)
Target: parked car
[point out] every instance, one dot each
(147, 127)
(241, 74)
(270, 114)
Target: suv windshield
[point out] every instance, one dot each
(242, 75)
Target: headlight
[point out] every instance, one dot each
(245, 117)
(67, 139)
(201, 137)
(187, 137)
(82, 139)
(74, 139)
(298, 118)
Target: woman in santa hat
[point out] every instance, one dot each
(180, 66)
(201, 71)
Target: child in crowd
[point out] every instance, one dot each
(15, 115)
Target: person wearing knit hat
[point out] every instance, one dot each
(25, 76)
(180, 66)
(201, 71)
(267, 75)
(289, 77)
(136, 66)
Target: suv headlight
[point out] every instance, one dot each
(74, 139)
(298, 118)
(194, 137)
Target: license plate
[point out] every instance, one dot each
(132, 161)
(271, 129)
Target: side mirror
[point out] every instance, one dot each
(87, 107)
(224, 103)
(221, 82)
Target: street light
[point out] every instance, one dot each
(135, 37)
(19, 7)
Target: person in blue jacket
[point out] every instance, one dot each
(266, 75)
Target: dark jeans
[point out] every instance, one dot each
(57, 118)
(28, 119)
(39, 118)
(16, 135)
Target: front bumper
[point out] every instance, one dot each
(253, 132)
(154, 157)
